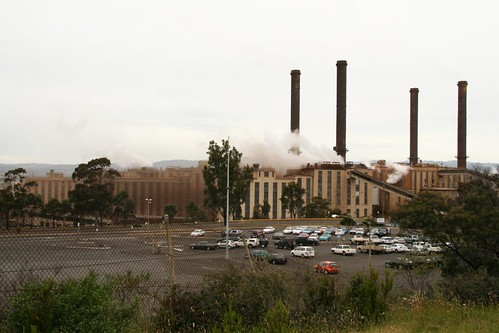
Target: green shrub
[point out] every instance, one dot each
(365, 298)
(85, 305)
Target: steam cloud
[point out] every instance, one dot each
(275, 152)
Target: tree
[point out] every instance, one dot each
(318, 207)
(53, 210)
(215, 178)
(292, 198)
(468, 227)
(18, 197)
(93, 194)
(194, 213)
(261, 211)
(171, 211)
(123, 206)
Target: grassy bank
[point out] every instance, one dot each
(438, 316)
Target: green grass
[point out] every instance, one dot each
(439, 316)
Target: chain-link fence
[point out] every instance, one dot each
(61, 253)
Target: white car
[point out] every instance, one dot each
(197, 233)
(397, 247)
(222, 243)
(303, 251)
(344, 250)
(288, 230)
(268, 230)
(297, 230)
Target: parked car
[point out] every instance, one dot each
(278, 235)
(325, 237)
(314, 235)
(257, 233)
(264, 242)
(197, 233)
(287, 244)
(232, 232)
(269, 230)
(304, 239)
(386, 248)
(327, 267)
(297, 230)
(344, 250)
(223, 242)
(204, 245)
(258, 254)
(252, 242)
(434, 249)
(303, 251)
(397, 247)
(404, 263)
(277, 259)
(288, 230)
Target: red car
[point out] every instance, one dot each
(327, 267)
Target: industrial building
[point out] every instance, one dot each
(355, 189)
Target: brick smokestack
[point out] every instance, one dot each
(341, 108)
(413, 154)
(295, 101)
(461, 124)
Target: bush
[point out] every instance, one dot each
(85, 305)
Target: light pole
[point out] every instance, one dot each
(227, 213)
(149, 201)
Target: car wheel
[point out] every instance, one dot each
(192, 247)
(344, 253)
(292, 254)
(303, 256)
(250, 246)
(273, 262)
(326, 272)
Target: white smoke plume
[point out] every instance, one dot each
(275, 152)
(398, 171)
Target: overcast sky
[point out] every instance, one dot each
(145, 81)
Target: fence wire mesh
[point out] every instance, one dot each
(62, 253)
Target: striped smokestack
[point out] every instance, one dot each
(461, 124)
(295, 101)
(413, 154)
(341, 108)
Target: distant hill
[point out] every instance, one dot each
(41, 169)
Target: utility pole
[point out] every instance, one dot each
(171, 262)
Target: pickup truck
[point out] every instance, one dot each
(344, 250)
(375, 248)
(358, 240)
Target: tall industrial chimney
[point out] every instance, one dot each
(295, 101)
(341, 108)
(461, 124)
(413, 154)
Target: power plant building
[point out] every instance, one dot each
(355, 189)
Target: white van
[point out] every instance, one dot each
(303, 251)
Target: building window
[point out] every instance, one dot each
(329, 186)
(365, 195)
(265, 192)
(319, 184)
(309, 190)
(338, 188)
(274, 200)
(349, 193)
(283, 209)
(257, 193)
